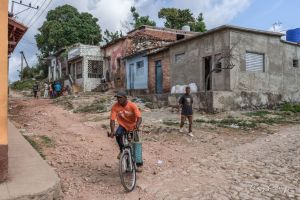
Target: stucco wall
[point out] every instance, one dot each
(280, 81)
(140, 80)
(191, 69)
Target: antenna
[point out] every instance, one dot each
(276, 24)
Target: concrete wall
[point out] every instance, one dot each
(90, 83)
(279, 82)
(87, 52)
(191, 68)
(140, 80)
(164, 57)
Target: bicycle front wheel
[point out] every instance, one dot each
(127, 171)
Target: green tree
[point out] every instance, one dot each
(65, 26)
(111, 36)
(140, 20)
(177, 18)
(198, 25)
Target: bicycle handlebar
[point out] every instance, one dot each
(114, 134)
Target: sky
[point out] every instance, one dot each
(278, 15)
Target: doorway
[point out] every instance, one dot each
(158, 77)
(207, 69)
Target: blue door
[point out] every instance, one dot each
(159, 77)
(131, 76)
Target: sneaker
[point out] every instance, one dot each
(181, 130)
(119, 156)
(190, 134)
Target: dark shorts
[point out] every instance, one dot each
(187, 112)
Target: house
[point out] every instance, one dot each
(57, 65)
(265, 68)
(135, 42)
(85, 66)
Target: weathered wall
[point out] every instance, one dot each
(88, 52)
(140, 80)
(280, 81)
(164, 57)
(113, 54)
(191, 69)
(116, 51)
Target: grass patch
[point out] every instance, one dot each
(95, 107)
(171, 123)
(260, 113)
(46, 141)
(37, 142)
(288, 107)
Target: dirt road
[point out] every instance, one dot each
(215, 164)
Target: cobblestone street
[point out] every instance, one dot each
(267, 168)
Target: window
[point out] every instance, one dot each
(179, 36)
(79, 69)
(295, 63)
(140, 68)
(95, 69)
(255, 62)
(179, 57)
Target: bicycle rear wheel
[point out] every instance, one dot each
(127, 171)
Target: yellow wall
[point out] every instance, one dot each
(3, 70)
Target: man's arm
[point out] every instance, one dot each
(138, 123)
(112, 128)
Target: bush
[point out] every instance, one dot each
(295, 108)
(23, 85)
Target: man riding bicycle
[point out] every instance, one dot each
(128, 116)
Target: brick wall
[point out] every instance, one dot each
(165, 61)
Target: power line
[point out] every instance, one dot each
(34, 4)
(34, 19)
(41, 13)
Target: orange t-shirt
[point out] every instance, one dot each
(126, 116)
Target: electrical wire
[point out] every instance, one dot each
(34, 5)
(34, 18)
(41, 13)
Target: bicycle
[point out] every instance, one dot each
(127, 164)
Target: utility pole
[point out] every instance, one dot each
(21, 73)
(3, 89)
(22, 63)
(29, 6)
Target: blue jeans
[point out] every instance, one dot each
(119, 133)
